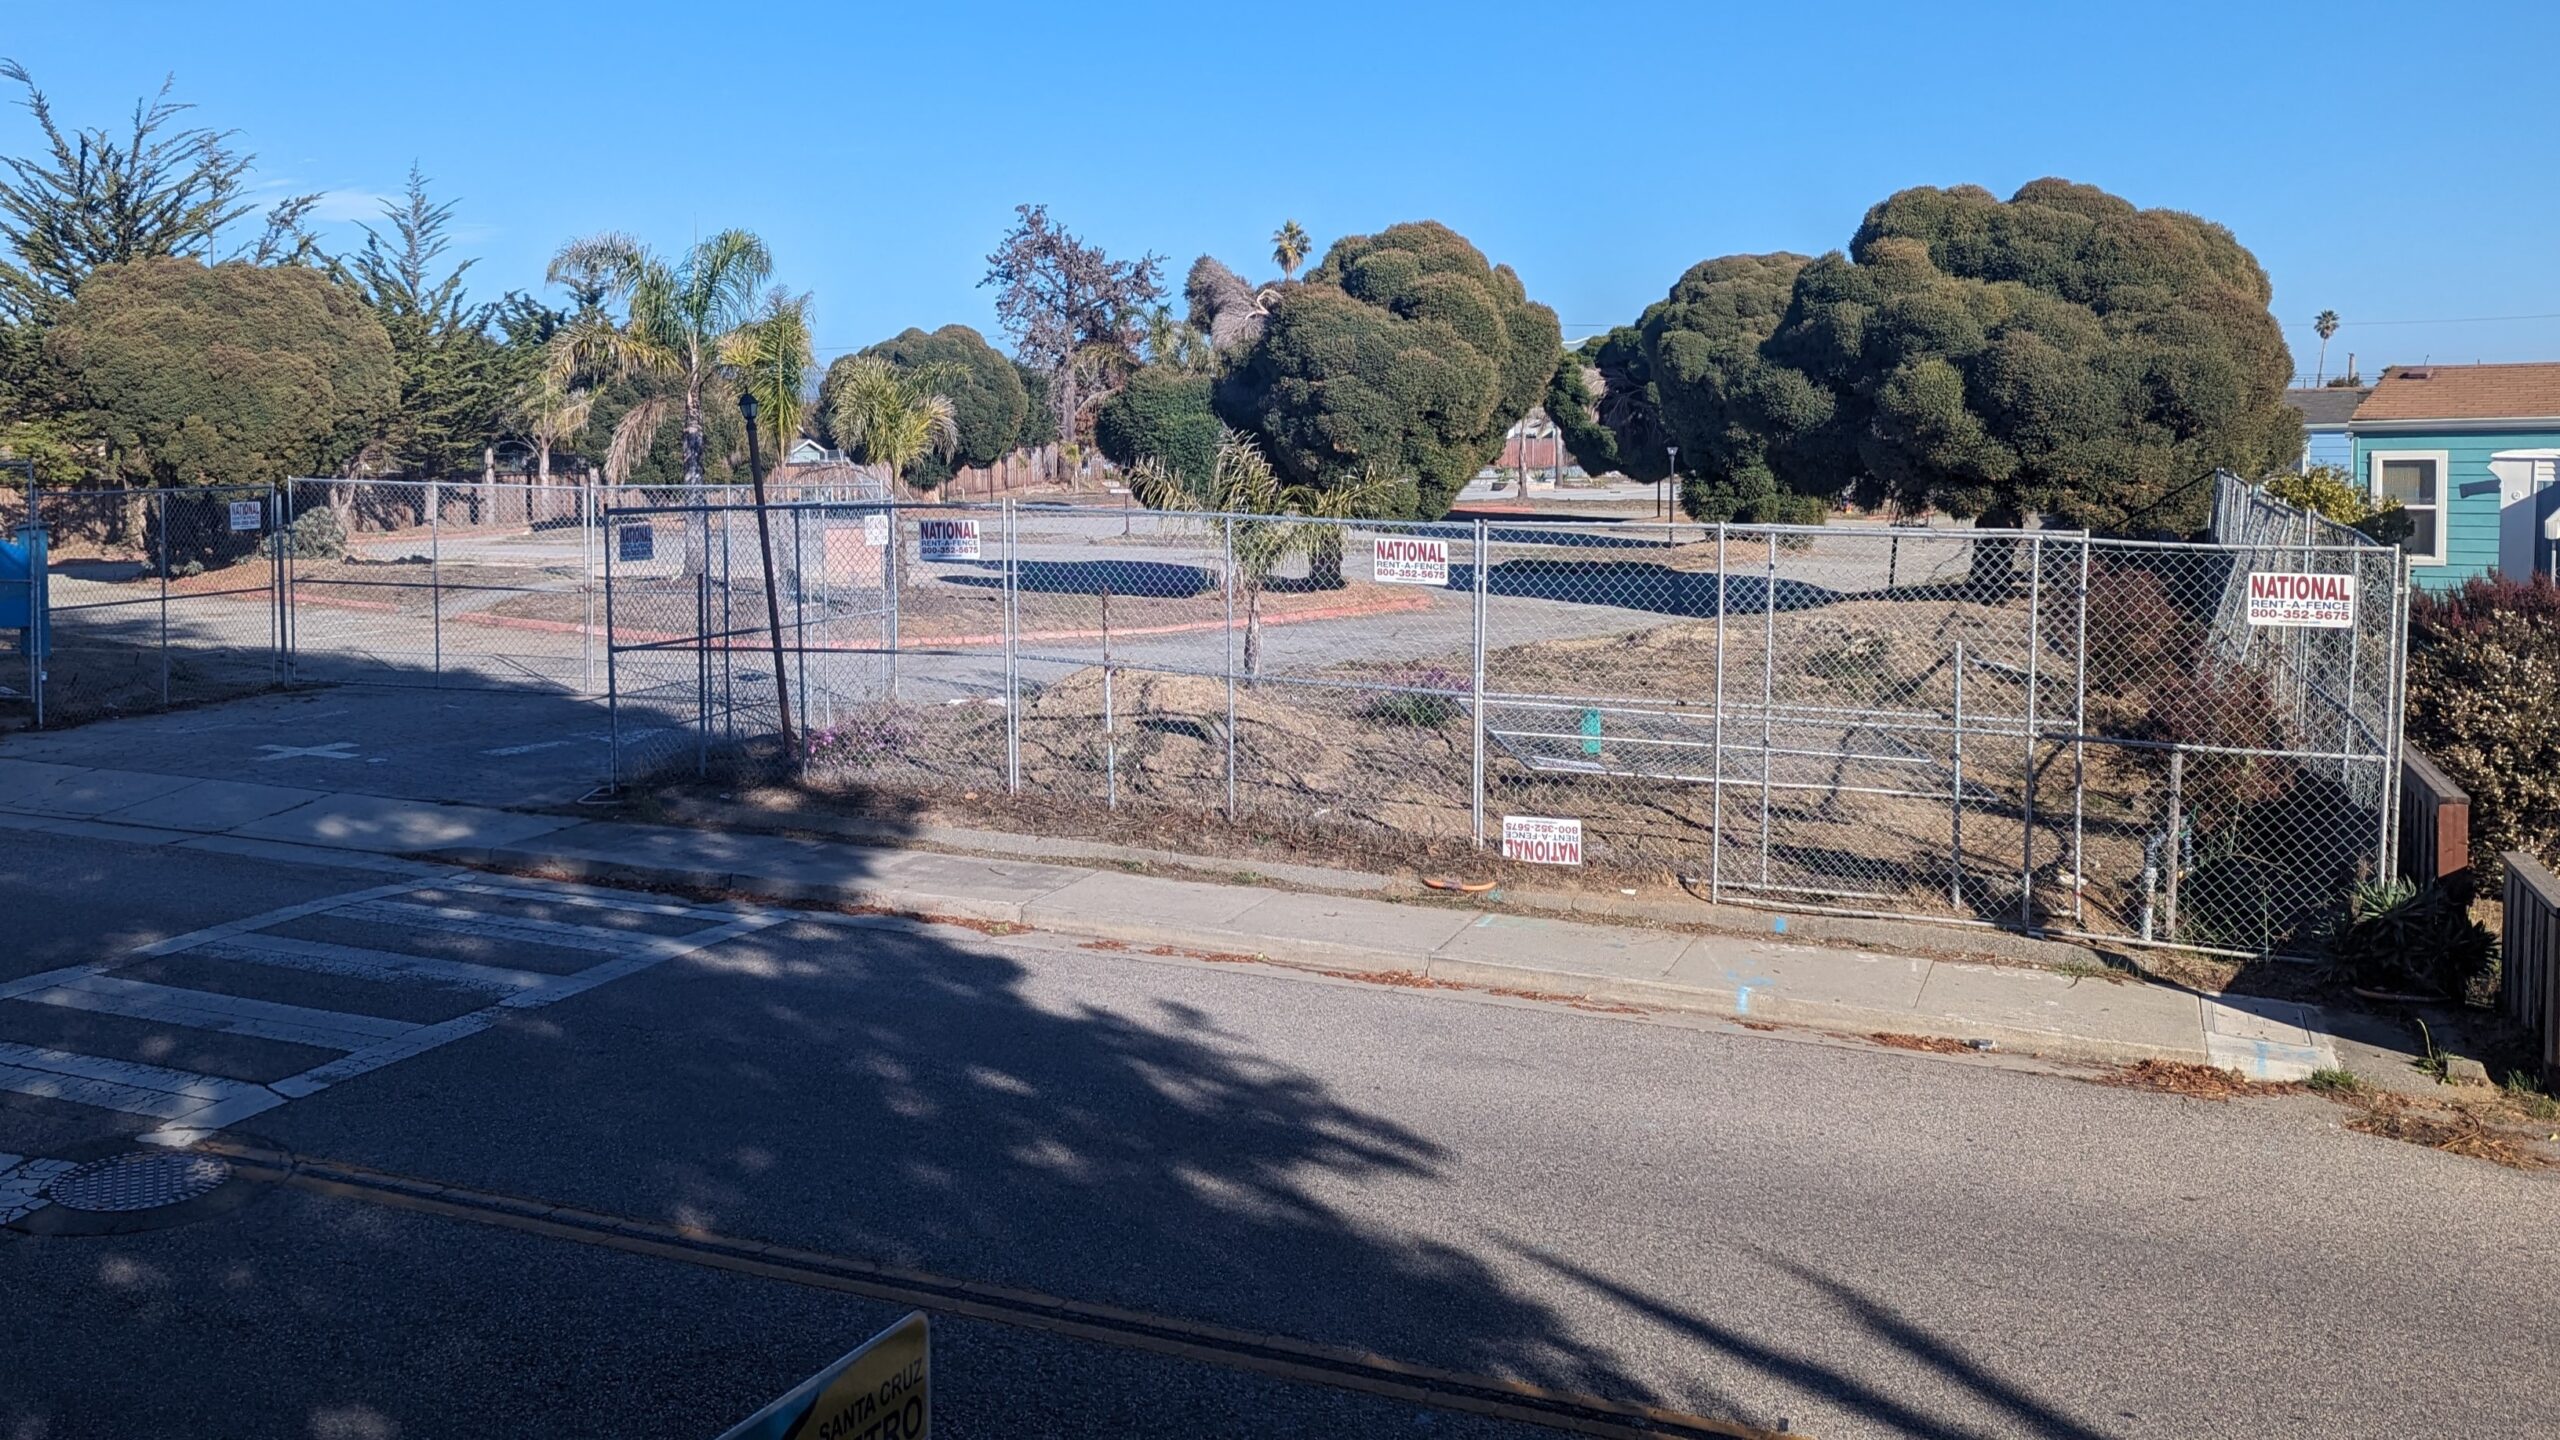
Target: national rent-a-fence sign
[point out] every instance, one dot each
(2319, 602)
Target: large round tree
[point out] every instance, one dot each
(228, 374)
(2060, 353)
(983, 387)
(1602, 400)
(1725, 406)
(1164, 415)
(1405, 354)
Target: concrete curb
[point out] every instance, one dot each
(1901, 936)
(1309, 953)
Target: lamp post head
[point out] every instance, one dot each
(747, 406)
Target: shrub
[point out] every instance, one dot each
(2484, 664)
(2331, 491)
(867, 736)
(2139, 636)
(2223, 707)
(1164, 415)
(2404, 937)
(314, 535)
(985, 390)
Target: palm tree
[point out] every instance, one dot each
(1289, 247)
(680, 316)
(2326, 325)
(770, 357)
(1171, 341)
(893, 415)
(552, 406)
(1269, 519)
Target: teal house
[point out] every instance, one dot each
(2473, 452)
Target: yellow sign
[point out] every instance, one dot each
(883, 1391)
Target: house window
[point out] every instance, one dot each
(2416, 480)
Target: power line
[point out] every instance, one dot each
(2457, 320)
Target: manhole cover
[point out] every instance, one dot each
(144, 1180)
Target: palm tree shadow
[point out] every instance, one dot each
(2031, 1415)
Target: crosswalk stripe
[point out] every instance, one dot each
(571, 896)
(126, 1085)
(229, 928)
(225, 1014)
(455, 919)
(323, 958)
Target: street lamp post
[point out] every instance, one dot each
(772, 595)
(1670, 478)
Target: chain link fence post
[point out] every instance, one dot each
(1009, 527)
(897, 562)
(285, 560)
(1227, 666)
(1715, 779)
(590, 538)
(1482, 622)
(2080, 744)
(435, 573)
(612, 683)
(1955, 790)
(2027, 805)
(1768, 692)
(2174, 851)
(160, 500)
(2396, 704)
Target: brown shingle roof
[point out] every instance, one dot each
(2465, 392)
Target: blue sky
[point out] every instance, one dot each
(2396, 163)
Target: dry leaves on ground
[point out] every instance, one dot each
(2201, 1082)
(1934, 1044)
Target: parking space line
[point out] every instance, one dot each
(223, 1014)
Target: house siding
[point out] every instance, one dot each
(2471, 521)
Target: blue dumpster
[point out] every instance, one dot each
(22, 585)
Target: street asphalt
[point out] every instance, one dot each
(1747, 1226)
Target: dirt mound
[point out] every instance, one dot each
(1352, 757)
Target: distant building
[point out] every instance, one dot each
(2471, 451)
(805, 451)
(1534, 442)
(2325, 411)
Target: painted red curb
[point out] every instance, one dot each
(1290, 617)
(572, 627)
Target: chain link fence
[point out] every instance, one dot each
(160, 597)
(143, 599)
(2180, 743)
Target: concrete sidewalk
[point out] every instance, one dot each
(1756, 978)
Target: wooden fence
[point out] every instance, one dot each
(2530, 956)
(2435, 827)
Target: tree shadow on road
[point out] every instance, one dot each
(1875, 1319)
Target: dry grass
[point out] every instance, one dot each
(1933, 1044)
(2456, 1129)
(2465, 1123)
(2200, 1082)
